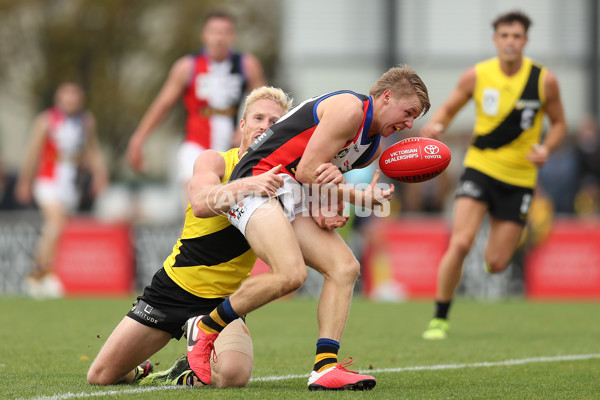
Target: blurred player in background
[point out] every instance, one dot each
(343, 128)
(211, 84)
(511, 93)
(63, 142)
(208, 263)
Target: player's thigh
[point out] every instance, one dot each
(130, 344)
(468, 216)
(270, 234)
(55, 215)
(323, 250)
(503, 240)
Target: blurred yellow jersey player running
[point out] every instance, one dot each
(511, 93)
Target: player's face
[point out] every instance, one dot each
(399, 114)
(260, 116)
(69, 98)
(510, 39)
(218, 37)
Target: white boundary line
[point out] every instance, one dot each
(506, 363)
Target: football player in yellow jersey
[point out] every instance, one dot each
(174, 296)
(511, 94)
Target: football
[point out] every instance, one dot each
(415, 159)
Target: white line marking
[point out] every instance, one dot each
(82, 395)
(506, 363)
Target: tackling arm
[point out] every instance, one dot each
(208, 197)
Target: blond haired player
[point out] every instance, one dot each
(511, 93)
(208, 263)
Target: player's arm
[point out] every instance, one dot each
(93, 156)
(340, 117)
(373, 196)
(329, 215)
(253, 71)
(456, 100)
(208, 197)
(38, 133)
(558, 124)
(169, 94)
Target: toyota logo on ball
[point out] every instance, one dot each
(431, 149)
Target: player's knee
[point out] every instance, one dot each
(347, 270)
(233, 377)
(234, 370)
(294, 280)
(96, 377)
(461, 245)
(496, 265)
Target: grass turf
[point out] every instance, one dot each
(46, 348)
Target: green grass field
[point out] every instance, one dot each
(46, 348)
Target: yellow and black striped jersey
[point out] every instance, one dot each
(212, 258)
(509, 119)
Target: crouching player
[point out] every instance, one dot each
(208, 263)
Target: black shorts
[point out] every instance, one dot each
(166, 306)
(506, 202)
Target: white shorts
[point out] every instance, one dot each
(291, 196)
(186, 156)
(60, 190)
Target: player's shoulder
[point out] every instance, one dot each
(349, 105)
(345, 98)
(183, 64)
(468, 78)
(210, 160)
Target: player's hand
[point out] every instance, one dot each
(265, 184)
(432, 130)
(374, 195)
(134, 154)
(329, 217)
(538, 155)
(328, 173)
(99, 184)
(23, 192)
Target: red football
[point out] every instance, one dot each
(415, 159)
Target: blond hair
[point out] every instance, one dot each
(268, 93)
(404, 82)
